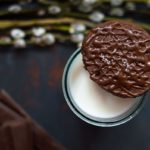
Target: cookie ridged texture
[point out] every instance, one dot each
(117, 57)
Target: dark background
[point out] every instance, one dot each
(33, 78)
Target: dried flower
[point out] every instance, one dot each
(116, 2)
(89, 2)
(77, 38)
(36, 40)
(77, 27)
(55, 9)
(20, 43)
(24, 2)
(79, 44)
(48, 39)
(6, 40)
(148, 3)
(130, 6)
(17, 33)
(14, 8)
(117, 12)
(97, 16)
(85, 8)
(75, 2)
(41, 12)
(38, 31)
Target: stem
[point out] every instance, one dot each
(59, 21)
(146, 26)
(77, 15)
(40, 22)
(62, 28)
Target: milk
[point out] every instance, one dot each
(91, 99)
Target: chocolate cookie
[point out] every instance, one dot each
(117, 57)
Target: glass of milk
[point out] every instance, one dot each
(90, 102)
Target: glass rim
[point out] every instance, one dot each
(86, 118)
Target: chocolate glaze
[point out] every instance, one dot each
(117, 56)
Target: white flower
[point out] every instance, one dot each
(38, 31)
(54, 9)
(79, 44)
(97, 16)
(117, 12)
(77, 27)
(85, 8)
(41, 12)
(17, 33)
(77, 38)
(148, 3)
(36, 40)
(14, 8)
(48, 39)
(130, 6)
(6, 39)
(116, 2)
(89, 2)
(25, 2)
(20, 43)
(75, 2)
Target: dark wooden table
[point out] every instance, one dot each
(33, 78)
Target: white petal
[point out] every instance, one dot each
(89, 2)
(117, 12)
(41, 12)
(54, 9)
(39, 31)
(116, 2)
(17, 33)
(75, 2)
(79, 45)
(77, 27)
(97, 16)
(85, 8)
(36, 40)
(48, 39)
(77, 37)
(20, 43)
(25, 2)
(148, 3)
(6, 39)
(130, 6)
(14, 8)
